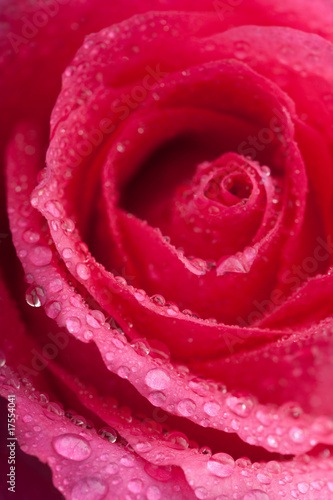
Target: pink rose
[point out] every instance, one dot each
(188, 167)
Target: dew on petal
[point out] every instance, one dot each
(143, 447)
(255, 495)
(157, 398)
(95, 319)
(108, 433)
(35, 296)
(90, 488)
(153, 493)
(221, 465)
(296, 434)
(135, 486)
(72, 447)
(157, 379)
(211, 409)
(241, 406)
(83, 271)
(186, 407)
(40, 256)
(30, 236)
(52, 309)
(73, 325)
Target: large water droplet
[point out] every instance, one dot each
(157, 379)
(221, 465)
(90, 488)
(72, 447)
(35, 296)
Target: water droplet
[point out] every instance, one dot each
(73, 325)
(211, 409)
(303, 487)
(35, 296)
(157, 398)
(255, 495)
(241, 406)
(135, 486)
(108, 433)
(143, 447)
(186, 407)
(201, 492)
(158, 299)
(112, 468)
(30, 236)
(123, 372)
(296, 434)
(52, 309)
(83, 271)
(157, 379)
(272, 441)
(55, 286)
(95, 319)
(54, 208)
(40, 256)
(177, 440)
(241, 49)
(153, 493)
(127, 461)
(221, 465)
(27, 418)
(68, 225)
(140, 295)
(72, 447)
(88, 335)
(141, 346)
(264, 417)
(264, 478)
(67, 253)
(90, 488)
